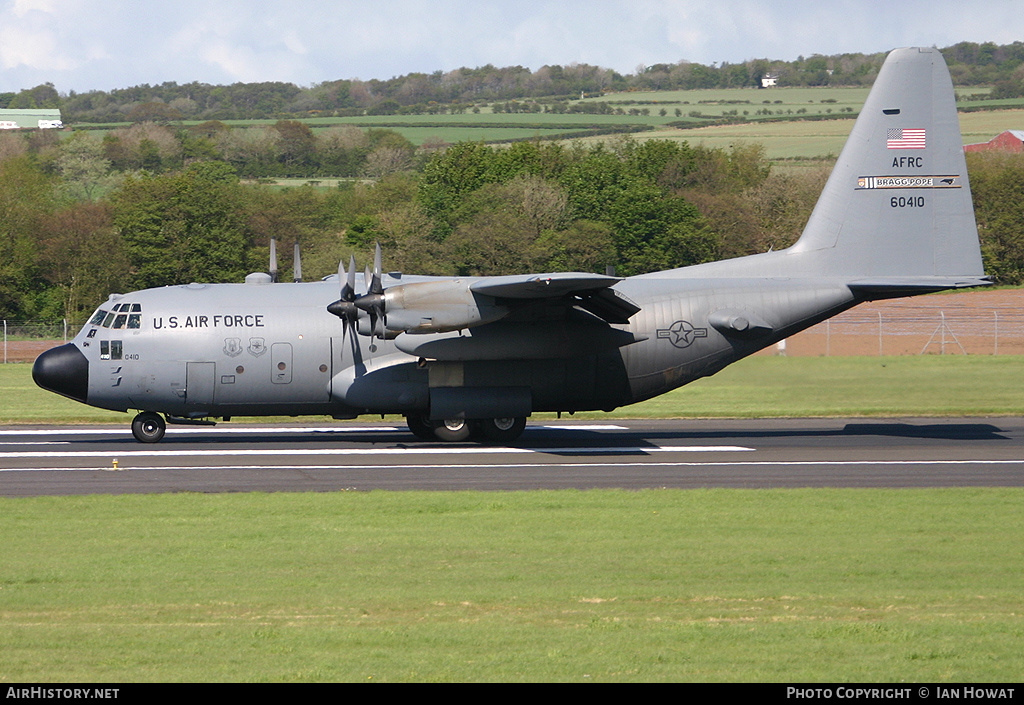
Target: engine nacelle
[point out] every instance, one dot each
(437, 307)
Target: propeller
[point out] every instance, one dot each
(372, 302)
(345, 308)
(297, 264)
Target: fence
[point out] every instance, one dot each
(976, 323)
(926, 332)
(24, 340)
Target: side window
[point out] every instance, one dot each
(111, 349)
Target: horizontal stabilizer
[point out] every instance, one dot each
(891, 287)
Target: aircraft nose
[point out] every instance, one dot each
(64, 370)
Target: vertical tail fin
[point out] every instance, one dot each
(898, 203)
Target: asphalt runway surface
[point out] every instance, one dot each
(628, 454)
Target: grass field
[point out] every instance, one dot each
(597, 586)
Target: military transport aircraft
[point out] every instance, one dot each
(478, 355)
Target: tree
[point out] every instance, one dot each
(26, 196)
(295, 145)
(387, 160)
(183, 227)
(144, 145)
(82, 257)
(84, 171)
(997, 186)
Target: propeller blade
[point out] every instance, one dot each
(273, 259)
(348, 287)
(375, 284)
(297, 265)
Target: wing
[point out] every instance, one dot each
(440, 305)
(591, 292)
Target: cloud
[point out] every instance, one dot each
(104, 44)
(28, 38)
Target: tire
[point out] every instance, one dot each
(503, 430)
(453, 430)
(421, 427)
(149, 427)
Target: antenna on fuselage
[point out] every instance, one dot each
(273, 259)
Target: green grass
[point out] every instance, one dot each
(928, 385)
(596, 586)
(761, 386)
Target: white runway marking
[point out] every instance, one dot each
(511, 466)
(426, 450)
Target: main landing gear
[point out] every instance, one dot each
(504, 430)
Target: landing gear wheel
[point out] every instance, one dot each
(503, 430)
(421, 427)
(453, 430)
(149, 427)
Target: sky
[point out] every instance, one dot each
(83, 45)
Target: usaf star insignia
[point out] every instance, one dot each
(682, 333)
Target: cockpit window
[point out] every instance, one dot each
(120, 316)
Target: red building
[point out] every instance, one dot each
(1009, 141)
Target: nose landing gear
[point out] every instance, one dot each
(149, 427)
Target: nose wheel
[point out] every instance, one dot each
(149, 427)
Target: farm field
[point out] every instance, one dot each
(782, 139)
(829, 113)
(816, 139)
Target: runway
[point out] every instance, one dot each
(630, 454)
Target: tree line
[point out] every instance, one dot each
(73, 229)
(970, 64)
(287, 148)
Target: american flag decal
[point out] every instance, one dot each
(904, 138)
